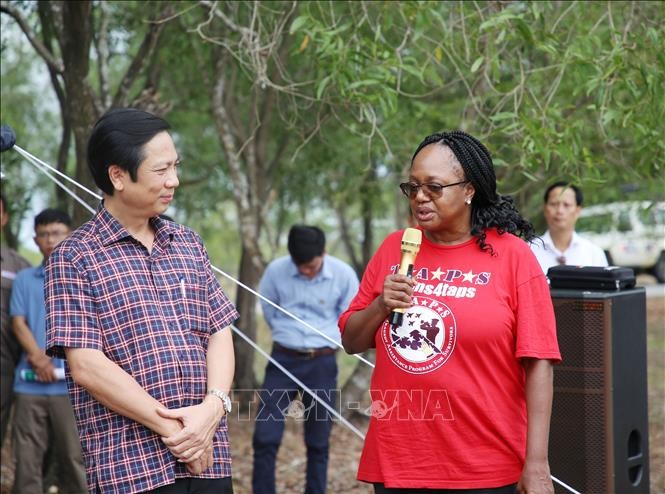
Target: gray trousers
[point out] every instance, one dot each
(38, 421)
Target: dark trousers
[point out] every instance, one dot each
(320, 375)
(197, 486)
(506, 489)
(6, 400)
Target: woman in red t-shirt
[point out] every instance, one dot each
(462, 388)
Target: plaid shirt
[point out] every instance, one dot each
(152, 315)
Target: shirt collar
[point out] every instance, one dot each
(110, 229)
(549, 244)
(324, 274)
(164, 230)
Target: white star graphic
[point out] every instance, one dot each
(436, 275)
(469, 276)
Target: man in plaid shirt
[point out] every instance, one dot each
(134, 307)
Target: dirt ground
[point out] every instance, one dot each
(291, 459)
(346, 445)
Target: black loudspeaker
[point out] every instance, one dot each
(599, 438)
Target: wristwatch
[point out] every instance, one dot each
(226, 401)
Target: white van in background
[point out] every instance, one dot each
(632, 234)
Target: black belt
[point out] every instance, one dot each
(307, 353)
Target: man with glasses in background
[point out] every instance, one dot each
(43, 413)
(561, 244)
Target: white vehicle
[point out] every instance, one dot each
(632, 234)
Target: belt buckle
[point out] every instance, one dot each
(310, 353)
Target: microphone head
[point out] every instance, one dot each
(411, 240)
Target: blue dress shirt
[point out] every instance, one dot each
(318, 301)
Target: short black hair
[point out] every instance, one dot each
(118, 138)
(49, 216)
(579, 197)
(305, 243)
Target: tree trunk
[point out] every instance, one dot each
(243, 174)
(245, 380)
(355, 389)
(368, 190)
(77, 36)
(345, 233)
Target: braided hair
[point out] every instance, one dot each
(488, 209)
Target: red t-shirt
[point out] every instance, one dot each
(448, 398)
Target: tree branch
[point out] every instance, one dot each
(51, 60)
(102, 47)
(247, 212)
(46, 17)
(345, 233)
(144, 53)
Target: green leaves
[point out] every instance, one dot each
(298, 23)
(322, 86)
(554, 91)
(476, 64)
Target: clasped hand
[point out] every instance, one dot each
(43, 366)
(193, 444)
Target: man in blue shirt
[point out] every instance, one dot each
(43, 412)
(317, 288)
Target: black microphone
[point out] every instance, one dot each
(7, 138)
(411, 240)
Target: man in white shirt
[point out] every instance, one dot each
(561, 244)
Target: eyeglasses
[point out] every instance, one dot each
(432, 189)
(55, 234)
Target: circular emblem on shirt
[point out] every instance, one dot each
(426, 338)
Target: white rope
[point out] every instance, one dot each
(298, 382)
(564, 485)
(249, 289)
(42, 169)
(30, 157)
(45, 166)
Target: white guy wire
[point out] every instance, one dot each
(58, 182)
(29, 157)
(249, 289)
(564, 485)
(298, 382)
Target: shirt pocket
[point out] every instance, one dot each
(195, 307)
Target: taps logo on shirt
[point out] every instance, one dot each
(452, 282)
(426, 338)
